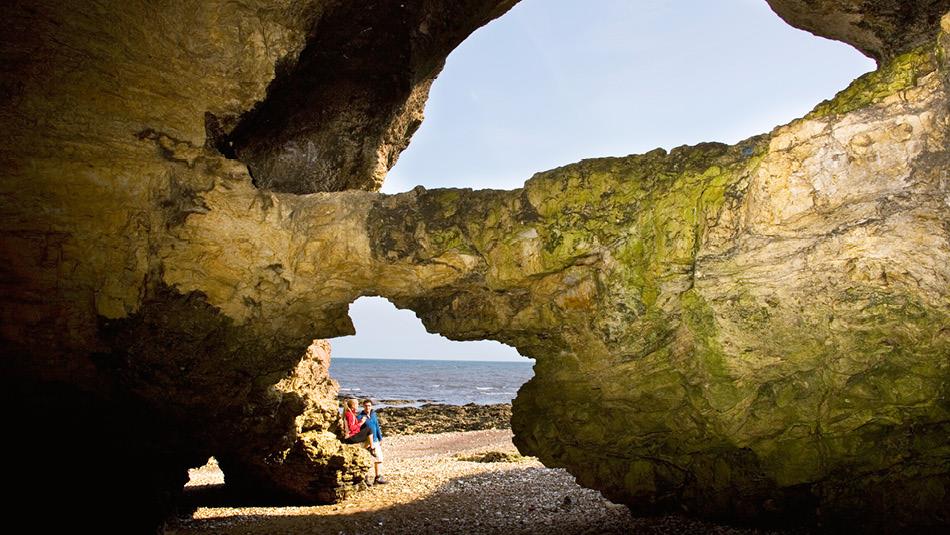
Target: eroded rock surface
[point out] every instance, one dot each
(880, 29)
(309, 465)
(754, 332)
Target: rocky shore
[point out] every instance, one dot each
(438, 418)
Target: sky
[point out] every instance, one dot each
(556, 81)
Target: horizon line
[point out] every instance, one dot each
(520, 359)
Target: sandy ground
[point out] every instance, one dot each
(430, 491)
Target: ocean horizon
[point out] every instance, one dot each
(421, 380)
(521, 360)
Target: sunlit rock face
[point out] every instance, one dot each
(754, 332)
(771, 339)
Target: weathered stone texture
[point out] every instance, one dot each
(311, 464)
(339, 117)
(753, 332)
(797, 361)
(103, 122)
(880, 29)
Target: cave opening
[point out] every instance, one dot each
(517, 96)
(393, 359)
(460, 124)
(422, 384)
(554, 82)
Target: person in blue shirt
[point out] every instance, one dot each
(368, 417)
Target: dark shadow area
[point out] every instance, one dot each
(521, 500)
(222, 495)
(75, 458)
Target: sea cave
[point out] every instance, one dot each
(190, 200)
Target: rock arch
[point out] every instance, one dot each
(768, 320)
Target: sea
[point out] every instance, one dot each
(415, 382)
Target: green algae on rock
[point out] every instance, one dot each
(893, 76)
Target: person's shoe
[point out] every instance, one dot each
(380, 480)
(369, 482)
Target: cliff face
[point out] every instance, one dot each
(754, 332)
(775, 334)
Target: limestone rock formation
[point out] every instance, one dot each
(776, 334)
(880, 29)
(754, 332)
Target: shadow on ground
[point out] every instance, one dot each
(511, 501)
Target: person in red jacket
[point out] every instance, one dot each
(356, 431)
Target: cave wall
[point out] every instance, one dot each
(95, 94)
(753, 332)
(116, 115)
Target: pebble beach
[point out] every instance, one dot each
(437, 485)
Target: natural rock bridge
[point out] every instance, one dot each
(766, 326)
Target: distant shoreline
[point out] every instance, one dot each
(522, 360)
(443, 418)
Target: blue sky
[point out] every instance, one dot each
(556, 81)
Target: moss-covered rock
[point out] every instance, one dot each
(492, 457)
